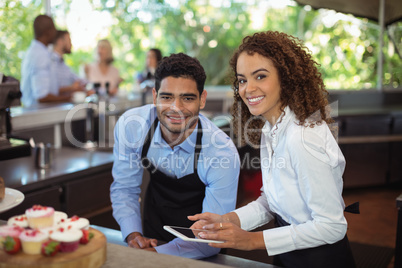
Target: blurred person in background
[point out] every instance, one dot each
(67, 81)
(38, 81)
(154, 57)
(102, 71)
(146, 78)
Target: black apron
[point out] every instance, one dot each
(337, 255)
(168, 200)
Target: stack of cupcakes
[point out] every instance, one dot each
(40, 224)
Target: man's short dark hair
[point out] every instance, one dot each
(180, 65)
(42, 23)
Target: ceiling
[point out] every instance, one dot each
(361, 8)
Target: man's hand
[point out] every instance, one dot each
(77, 86)
(136, 240)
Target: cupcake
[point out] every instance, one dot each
(49, 230)
(20, 220)
(75, 222)
(69, 238)
(59, 216)
(6, 230)
(40, 217)
(32, 240)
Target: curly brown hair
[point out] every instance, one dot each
(302, 88)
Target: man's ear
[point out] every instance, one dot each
(203, 99)
(154, 95)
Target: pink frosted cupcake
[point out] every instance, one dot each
(40, 217)
(6, 230)
(69, 238)
(75, 222)
(20, 220)
(59, 217)
(32, 240)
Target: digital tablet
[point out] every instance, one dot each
(188, 234)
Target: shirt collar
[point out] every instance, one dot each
(56, 56)
(286, 116)
(187, 145)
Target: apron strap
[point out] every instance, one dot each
(148, 138)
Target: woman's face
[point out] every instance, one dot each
(103, 52)
(151, 60)
(259, 85)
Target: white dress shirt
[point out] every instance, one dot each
(302, 171)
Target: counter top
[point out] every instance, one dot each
(119, 256)
(21, 173)
(116, 246)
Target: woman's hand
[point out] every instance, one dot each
(204, 219)
(233, 235)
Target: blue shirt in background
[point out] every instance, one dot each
(218, 168)
(64, 75)
(37, 77)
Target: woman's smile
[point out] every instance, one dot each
(255, 100)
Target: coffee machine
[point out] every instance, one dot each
(10, 95)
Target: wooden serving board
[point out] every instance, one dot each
(91, 255)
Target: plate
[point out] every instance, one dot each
(11, 199)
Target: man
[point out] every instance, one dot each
(67, 81)
(193, 165)
(38, 83)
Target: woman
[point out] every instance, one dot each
(102, 71)
(302, 165)
(154, 57)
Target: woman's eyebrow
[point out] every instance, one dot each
(258, 70)
(253, 73)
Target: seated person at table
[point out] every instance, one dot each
(193, 165)
(38, 82)
(67, 81)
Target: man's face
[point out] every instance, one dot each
(67, 44)
(178, 103)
